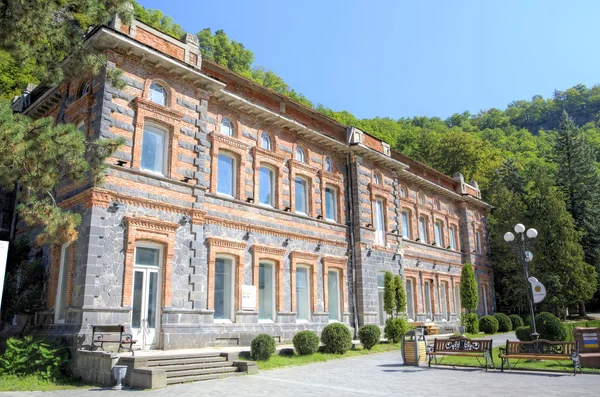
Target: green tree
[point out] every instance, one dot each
(389, 293)
(157, 20)
(400, 296)
(469, 297)
(36, 155)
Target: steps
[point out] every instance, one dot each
(150, 372)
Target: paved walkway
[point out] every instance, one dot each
(374, 375)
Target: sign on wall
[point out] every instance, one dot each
(3, 255)
(248, 297)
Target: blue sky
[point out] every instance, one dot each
(410, 58)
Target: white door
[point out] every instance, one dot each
(145, 316)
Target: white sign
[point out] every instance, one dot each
(539, 291)
(248, 297)
(3, 255)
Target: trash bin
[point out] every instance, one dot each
(414, 347)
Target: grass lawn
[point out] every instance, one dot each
(279, 361)
(33, 382)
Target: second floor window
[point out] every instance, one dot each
(266, 186)
(478, 242)
(226, 127)
(154, 150)
(379, 222)
(301, 196)
(453, 237)
(300, 156)
(226, 175)
(439, 227)
(406, 232)
(330, 204)
(265, 141)
(423, 229)
(328, 165)
(158, 94)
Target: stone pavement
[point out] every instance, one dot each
(373, 375)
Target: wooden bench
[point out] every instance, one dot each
(102, 334)
(540, 350)
(463, 347)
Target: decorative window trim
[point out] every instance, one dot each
(165, 90)
(152, 230)
(307, 172)
(310, 260)
(165, 150)
(443, 232)
(427, 228)
(340, 264)
(275, 161)
(377, 178)
(169, 91)
(415, 289)
(232, 146)
(272, 137)
(335, 180)
(385, 218)
(456, 236)
(410, 222)
(276, 256)
(421, 199)
(236, 249)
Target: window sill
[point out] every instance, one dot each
(158, 176)
(222, 321)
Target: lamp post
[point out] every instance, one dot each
(520, 245)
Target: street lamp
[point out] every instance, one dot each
(519, 245)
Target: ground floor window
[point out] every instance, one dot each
(333, 291)
(457, 308)
(444, 299)
(427, 297)
(63, 281)
(380, 288)
(484, 300)
(266, 291)
(302, 293)
(223, 298)
(410, 303)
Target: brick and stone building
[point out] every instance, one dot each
(231, 210)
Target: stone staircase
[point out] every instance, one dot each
(156, 371)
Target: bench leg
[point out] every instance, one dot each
(429, 364)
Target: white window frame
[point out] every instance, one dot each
(153, 128)
(410, 309)
(233, 175)
(427, 291)
(61, 288)
(272, 181)
(81, 126)
(146, 244)
(377, 178)
(231, 319)
(335, 206)
(338, 274)
(423, 230)
(402, 191)
(328, 164)
(452, 242)
(265, 137)
(379, 228)
(226, 121)
(408, 230)
(484, 300)
(306, 198)
(383, 316)
(300, 154)
(439, 233)
(308, 289)
(457, 306)
(271, 264)
(153, 89)
(421, 199)
(478, 244)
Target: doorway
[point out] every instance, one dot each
(145, 316)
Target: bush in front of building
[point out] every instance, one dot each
(516, 320)
(262, 347)
(395, 328)
(27, 356)
(523, 333)
(306, 343)
(504, 322)
(470, 322)
(369, 335)
(336, 338)
(550, 327)
(527, 320)
(488, 324)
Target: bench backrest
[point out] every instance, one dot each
(540, 346)
(588, 339)
(462, 345)
(108, 328)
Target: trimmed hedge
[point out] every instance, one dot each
(336, 338)
(262, 347)
(395, 328)
(550, 327)
(504, 322)
(470, 322)
(369, 335)
(305, 343)
(523, 333)
(516, 320)
(488, 324)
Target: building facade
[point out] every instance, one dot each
(231, 210)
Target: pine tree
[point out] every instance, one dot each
(400, 296)
(469, 298)
(389, 293)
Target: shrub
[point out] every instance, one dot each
(336, 338)
(516, 320)
(527, 320)
(306, 343)
(504, 322)
(488, 324)
(369, 335)
(395, 328)
(28, 356)
(550, 327)
(523, 333)
(262, 347)
(470, 322)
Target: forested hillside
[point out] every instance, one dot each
(536, 161)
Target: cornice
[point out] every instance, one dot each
(225, 243)
(266, 249)
(336, 260)
(145, 222)
(299, 255)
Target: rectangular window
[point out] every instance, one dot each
(301, 196)
(457, 307)
(410, 303)
(226, 175)
(453, 237)
(406, 232)
(330, 204)
(380, 287)
(223, 289)
(443, 299)
(154, 151)
(302, 294)
(266, 186)
(333, 290)
(138, 286)
(484, 300)
(478, 242)
(63, 280)
(427, 297)
(423, 229)
(266, 291)
(379, 223)
(439, 227)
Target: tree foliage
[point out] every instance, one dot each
(468, 288)
(400, 296)
(389, 293)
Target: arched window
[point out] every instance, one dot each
(226, 127)
(402, 191)
(377, 179)
(158, 94)
(300, 155)
(84, 89)
(328, 165)
(265, 141)
(436, 204)
(421, 199)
